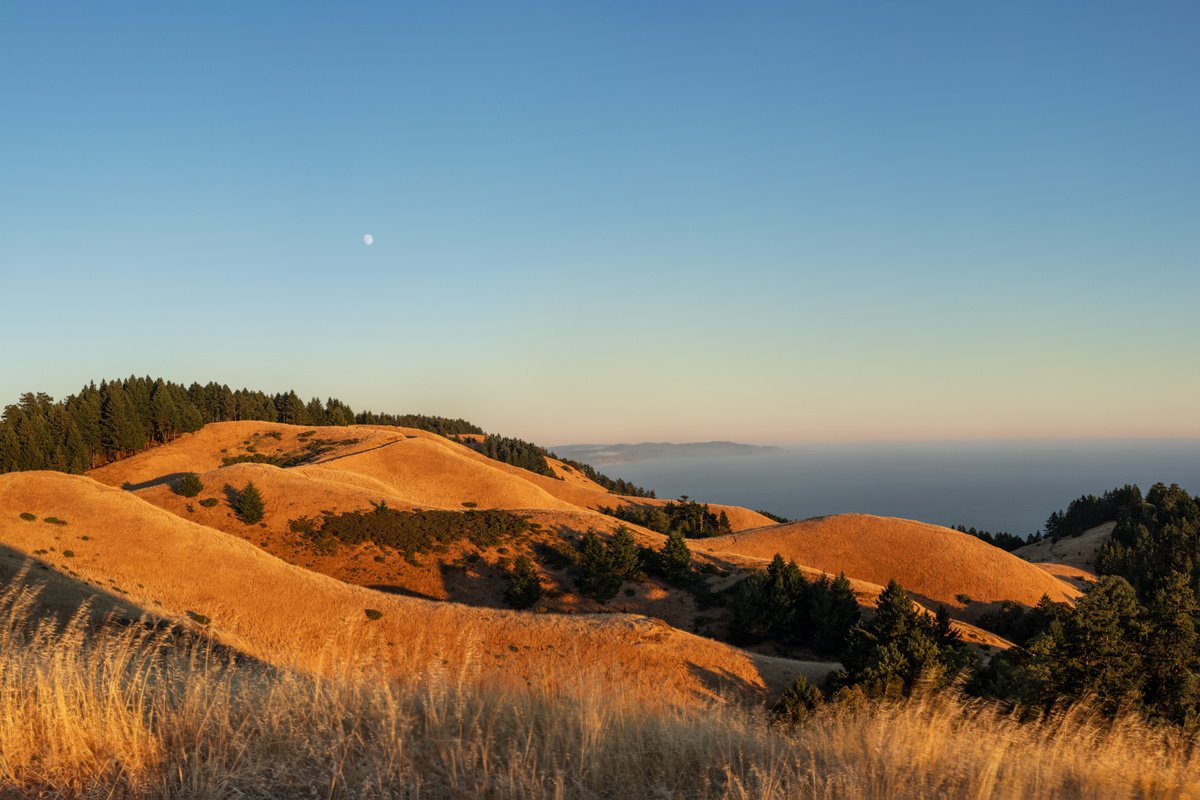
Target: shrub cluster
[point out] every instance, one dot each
(524, 584)
(694, 520)
(778, 603)
(411, 532)
(517, 452)
(189, 485)
(604, 567)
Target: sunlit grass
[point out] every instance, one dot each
(129, 712)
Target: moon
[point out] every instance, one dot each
(368, 239)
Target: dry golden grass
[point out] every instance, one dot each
(151, 560)
(1077, 552)
(130, 713)
(204, 450)
(416, 469)
(936, 564)
(409, 465)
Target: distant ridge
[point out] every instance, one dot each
(650, 451)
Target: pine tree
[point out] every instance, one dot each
(787, 596)
(1099, 651)
(121, 432)
(889, 653)
(597, 576)
(675, 558)
(751, 615)
(624, 554)
(249, 505)
(1172, 660)
(833, 613)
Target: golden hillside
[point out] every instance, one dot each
(154, 561)
(938, 565)
(408, 465)
(359, 466)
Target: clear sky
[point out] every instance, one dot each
(616, 221)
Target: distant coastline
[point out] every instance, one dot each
(596, 454)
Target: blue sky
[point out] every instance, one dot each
(614, 221)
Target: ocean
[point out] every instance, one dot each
(992, 485)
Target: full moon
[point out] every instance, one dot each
(368, 239)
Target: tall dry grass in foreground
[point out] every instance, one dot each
(130, 713)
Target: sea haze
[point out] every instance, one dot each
(993, 485)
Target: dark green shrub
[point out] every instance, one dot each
(209, 502)
(373, 613)
(189, 485)
(411, 532)
(55, 521)
(28, 517)
(524, 587)
(797, 703)
(68, 553)
(198, 618)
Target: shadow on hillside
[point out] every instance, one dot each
(61, 597)
(169, 478)
(722, 682)
(400, 590)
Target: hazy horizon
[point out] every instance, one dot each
(991, 485)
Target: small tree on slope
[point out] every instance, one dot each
(249, 505)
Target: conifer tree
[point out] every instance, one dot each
(1099, 653)
(889, 653)
(833, 613)
(1172, 660)
(597, 576)
(250, 504)
(121, 432)
(675, 558)
(624, 555)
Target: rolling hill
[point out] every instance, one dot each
(358, 466)
(153, 562)
(938, 565)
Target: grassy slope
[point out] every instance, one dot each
(1077, 552)
(936, 564)
(409, 468)
(286, 615)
